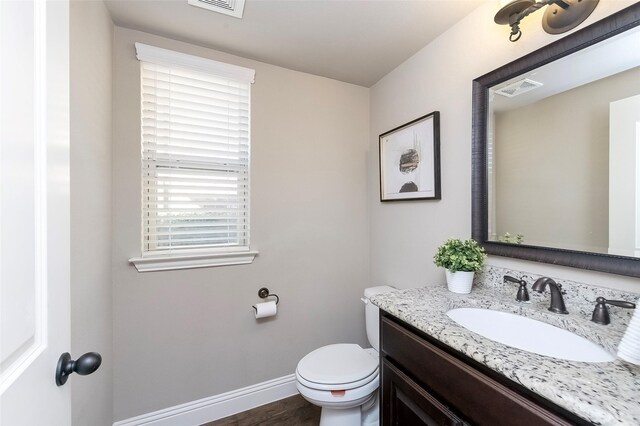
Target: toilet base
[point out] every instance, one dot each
(343, 417)
(367, 414)
(371, 412)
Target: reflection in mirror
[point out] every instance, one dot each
(563, 152)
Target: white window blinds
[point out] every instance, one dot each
(195, 153)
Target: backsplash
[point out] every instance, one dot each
(579, 298)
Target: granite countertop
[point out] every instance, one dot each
(602, 393)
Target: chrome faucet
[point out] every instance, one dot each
(557, 302)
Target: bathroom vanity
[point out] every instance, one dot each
(425, 383)
(434, 371)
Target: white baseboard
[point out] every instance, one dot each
(218, 406)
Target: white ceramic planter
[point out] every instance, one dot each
(459, 281)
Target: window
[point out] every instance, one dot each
(195, 161)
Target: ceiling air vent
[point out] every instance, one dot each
(517, 88)
(227, 7)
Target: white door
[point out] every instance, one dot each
(624, 177)
(34, 210)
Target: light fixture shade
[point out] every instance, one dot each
(560, 15)
(557, 20)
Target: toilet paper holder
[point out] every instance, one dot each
(263, 293)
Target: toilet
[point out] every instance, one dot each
(342, 379)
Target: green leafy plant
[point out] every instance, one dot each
(460, 255)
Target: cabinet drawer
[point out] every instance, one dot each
(475, 395)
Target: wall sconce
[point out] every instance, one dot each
(561, 15)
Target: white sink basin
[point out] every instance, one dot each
(529, 335)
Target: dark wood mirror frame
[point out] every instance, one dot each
(610, 26)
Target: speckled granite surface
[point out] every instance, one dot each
(603, 393)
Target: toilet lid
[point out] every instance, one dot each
(337, 364)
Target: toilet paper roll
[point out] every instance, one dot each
(266, 309)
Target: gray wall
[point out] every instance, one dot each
(184, 335)
(552, 181)
(404, 235)
(91, 39)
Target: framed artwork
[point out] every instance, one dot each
(410, 160)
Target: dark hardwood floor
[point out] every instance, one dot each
(294, 411)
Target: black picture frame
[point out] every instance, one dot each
(610, 26)
(415, 148)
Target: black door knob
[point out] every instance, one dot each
(86, 364)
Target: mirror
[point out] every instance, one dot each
(556, 151)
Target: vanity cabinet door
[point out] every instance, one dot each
(407, 404)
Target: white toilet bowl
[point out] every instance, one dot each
(343, 380)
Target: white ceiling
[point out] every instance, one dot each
(357, 41)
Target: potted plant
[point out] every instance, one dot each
(461, 259)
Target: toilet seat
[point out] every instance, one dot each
(350, 398)
(338, 367)
(337, 386)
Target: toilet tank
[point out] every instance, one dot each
(372, 314)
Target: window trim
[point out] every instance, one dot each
(204, 257)
(169, 262)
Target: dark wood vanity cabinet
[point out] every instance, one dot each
(425, 384)
(407, 403)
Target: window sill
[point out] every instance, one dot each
(168, 263)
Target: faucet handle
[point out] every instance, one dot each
(523, 293)
(601, 311)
